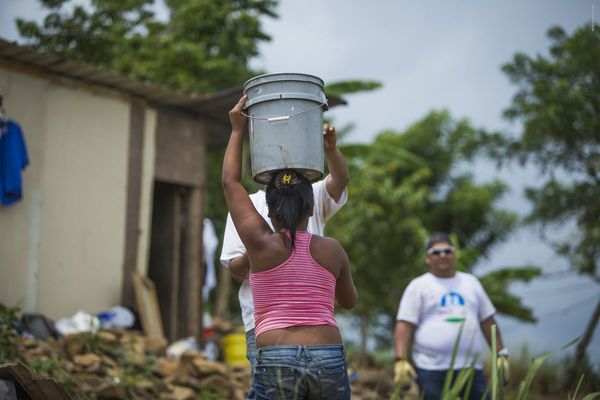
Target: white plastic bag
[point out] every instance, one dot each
(80, 322)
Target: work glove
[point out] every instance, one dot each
(503, 368)
(404, 374)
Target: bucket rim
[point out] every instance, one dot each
(264, 174)
(321, 81)
(287, 96)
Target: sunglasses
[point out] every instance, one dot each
(439, 250)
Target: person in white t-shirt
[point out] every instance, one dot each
(433, 308)
(330, 195)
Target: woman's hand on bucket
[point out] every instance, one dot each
(237, 119)
(329, 138)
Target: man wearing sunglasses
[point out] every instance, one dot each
(432, 311)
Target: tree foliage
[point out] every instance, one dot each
(204, 46)
(351, 86)
(558, 104)
(406, 185)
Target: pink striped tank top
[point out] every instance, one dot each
(299, 292)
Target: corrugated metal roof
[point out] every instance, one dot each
(214, 106)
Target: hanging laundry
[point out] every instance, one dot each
(13, 159)
(210, 243)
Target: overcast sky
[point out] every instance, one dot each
(432, 55)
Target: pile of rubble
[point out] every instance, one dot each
(118, 364)
(371, 383)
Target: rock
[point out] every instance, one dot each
(189, 381)
(69, 366)
(89, 379)
(85, 360)
(144, 384)
(109, 390)
(133, 342)
(155, 345)
(205, 367)
(216, 382)
(114, 372)
(239, 394)
(106, 360)
(137, 359)
(108, 338)
(219, 383)
(74, 344)
(166, 367)
(197, 365)
(87, 363)
(178, 393)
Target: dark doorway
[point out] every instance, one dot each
(167, 253)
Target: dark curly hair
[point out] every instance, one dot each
(290, 199)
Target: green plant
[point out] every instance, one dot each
(56, 369)
(9, 323)
(588, 397)
(209, 394)
(455, 386)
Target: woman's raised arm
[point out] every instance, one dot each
(249, 224)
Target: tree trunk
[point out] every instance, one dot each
(364, 329)
(571, 379)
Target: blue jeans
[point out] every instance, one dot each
(251, 356)
(301, 373)
(431, 384)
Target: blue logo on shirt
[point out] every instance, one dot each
(455, 302)
(452, 299)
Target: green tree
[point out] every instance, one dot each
(352, 86)
(405, 185)
(204, 46)
(558, 104)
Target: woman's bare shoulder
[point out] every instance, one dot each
(327, 251)
(273, 251)
(325, 241)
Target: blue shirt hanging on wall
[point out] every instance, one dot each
(13, 159)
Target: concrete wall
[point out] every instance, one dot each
(83, 195)
(25, 102)
(62, 246)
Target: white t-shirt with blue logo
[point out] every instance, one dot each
(438, 307)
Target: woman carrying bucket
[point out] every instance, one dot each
(295, 278)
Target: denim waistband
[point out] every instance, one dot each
(299, 352)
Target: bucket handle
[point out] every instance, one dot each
(285, 117)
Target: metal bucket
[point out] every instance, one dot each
(285, 114)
